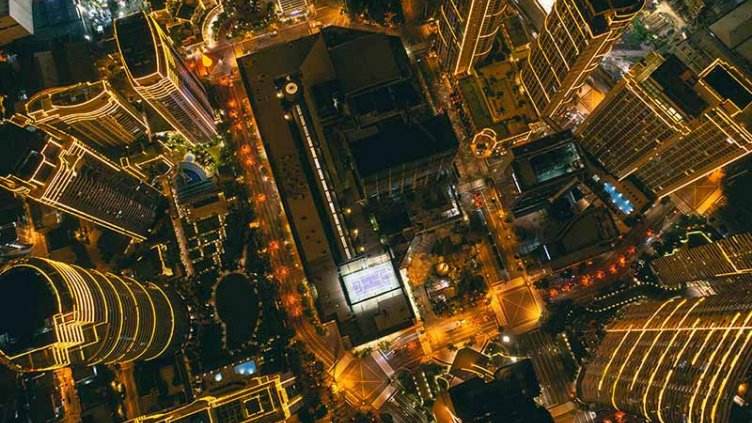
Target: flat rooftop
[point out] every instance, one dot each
(397, 142)
(678, 81)
(546, 159)
(728, 86)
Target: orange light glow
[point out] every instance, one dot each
(206, 60)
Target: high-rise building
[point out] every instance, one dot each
(60, 171)
(55, 315)
(159, 74)
(721, 259)
(90, 111)
(263, 399)
(577, 34)
(681, 360)
(16, 20)
(467, 30)
(668, 126)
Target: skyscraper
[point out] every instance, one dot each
(576, 36)
(467, 30)
(668, 126)
(90, 111)
(60, 171)
(54, 315)
(160, 75)
(680, 360)
(718, 260)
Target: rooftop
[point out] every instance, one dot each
(134, 35)
(546, 159)
(396, 142)
(23, 147)
(677, 81)
(727, 86)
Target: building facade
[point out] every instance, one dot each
(577, 34)
(467, 30)
(668, 126)
(263, 399)
(90, 111)
(62, 172)
(721, 259)
(159, 74)
(83, 317)
(679, 360)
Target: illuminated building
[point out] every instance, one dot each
(56, 315)
(16, 20)
(680, 360)
(90, 111)
(263, 399)
(159, 74)
(668, 126)
(467, 30)
(293, 8)
(577, 34)
(721, 259)
(60, 171)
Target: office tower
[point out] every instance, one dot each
(668, 126)
(16, 20)
(577, 34)
(90, 111)
(159, 74)
(467, 30)
(55, 315)
(680, 360)
(60, 171)
(718, 260)
(263, 399)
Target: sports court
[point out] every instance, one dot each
(370, 282)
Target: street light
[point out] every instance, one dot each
(506, 339)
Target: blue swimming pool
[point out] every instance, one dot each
(621, 202)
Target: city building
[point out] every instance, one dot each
(505, 394)
(722, 259)
(680, 360)
(293, 8)
(162, 78)
(668, 126)
(467, 31)
(16, 20)
(56, 315)
(62, 172)
(342, 129)
(577, 34)
(401, 156)
(734, 30)
(262, 399)
(90, 111)
(543, 170)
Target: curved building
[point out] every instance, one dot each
(467, 30)
(54, 315)
(90, 111)
(577, 34)
(681, 360)
(159, 74)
